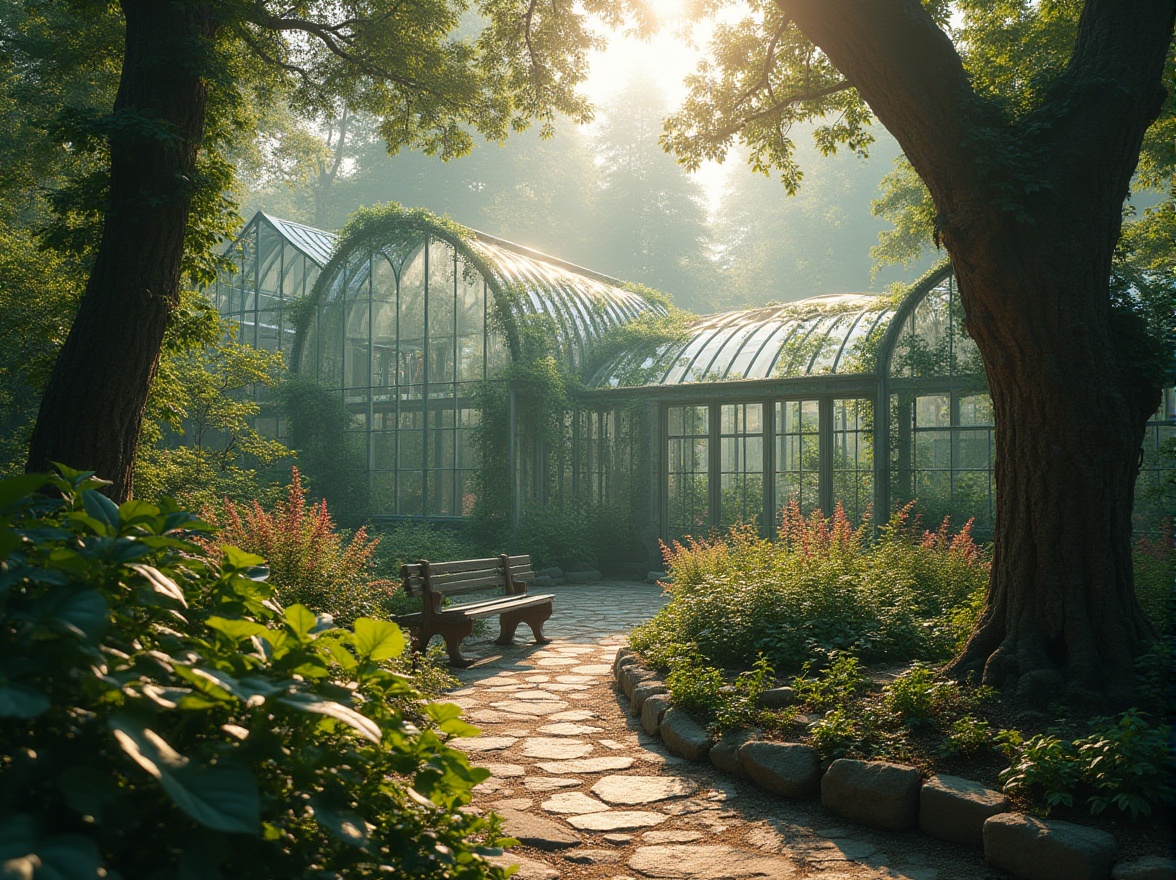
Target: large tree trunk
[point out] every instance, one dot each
(92, 408)
(1030, 210)
(1061, 618)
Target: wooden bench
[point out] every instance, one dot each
(435, 582)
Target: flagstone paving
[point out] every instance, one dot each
(591, 795)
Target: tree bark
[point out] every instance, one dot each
(1030, 211)
(92, 408)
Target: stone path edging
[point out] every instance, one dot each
(889, 796)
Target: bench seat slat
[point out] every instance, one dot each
(494, 606)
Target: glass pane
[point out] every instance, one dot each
(797, 476)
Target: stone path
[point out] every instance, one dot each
(590, 795)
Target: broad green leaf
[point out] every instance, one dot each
(129, 549)
(84, 612)
(161, 583)
(18, 837)
(18, 701)
(137, 511)
(68, 857)
(9, 541)
(87, 791)
(311, 703)
(339, 653)
(301, 619)
(102, 509)
(345, 825)
(378, 639)
(15, 488)
(223, 796)
(447, 717)
(204, 683)
(236, 559)
(237, 629)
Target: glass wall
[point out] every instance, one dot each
(798, 455)
(687, 470)
(741, 463)
(404, 335)
(942, 430)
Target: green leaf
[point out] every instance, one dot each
(161, 583)
(447, 717)
(87, 791)
(13, 489)
(378, 639)
(237, 629)
(345, 825)
(18, 701)
(129, 549)
(68, 857)
(84, 612)
(222, 796)
(102, 509)
(236, 559)
(339, 653)
(312, 703)
(301, 619)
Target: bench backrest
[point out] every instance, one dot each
(467, 575)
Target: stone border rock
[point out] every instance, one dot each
(884, 795)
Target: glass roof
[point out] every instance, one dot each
(583, 304)
(823, 335)
(315, 243)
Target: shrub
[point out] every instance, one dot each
(310, 563)
(841, 733)
(921, 697)
(162, 717)
(414, 541)
(967, 736)
(576, 534)
(821, 587)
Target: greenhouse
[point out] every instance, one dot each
(421, 327)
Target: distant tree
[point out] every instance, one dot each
(813, 242)
(652, 215)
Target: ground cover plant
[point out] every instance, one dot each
(162, 717)
(859, 628)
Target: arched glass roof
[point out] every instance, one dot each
(832, 334)
(583, 305)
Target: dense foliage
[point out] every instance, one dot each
(822, 586)
(162, 717)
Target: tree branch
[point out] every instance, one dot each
(911, 76)
(337, 41)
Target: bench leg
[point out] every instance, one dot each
(532, 617)
(453, 633)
